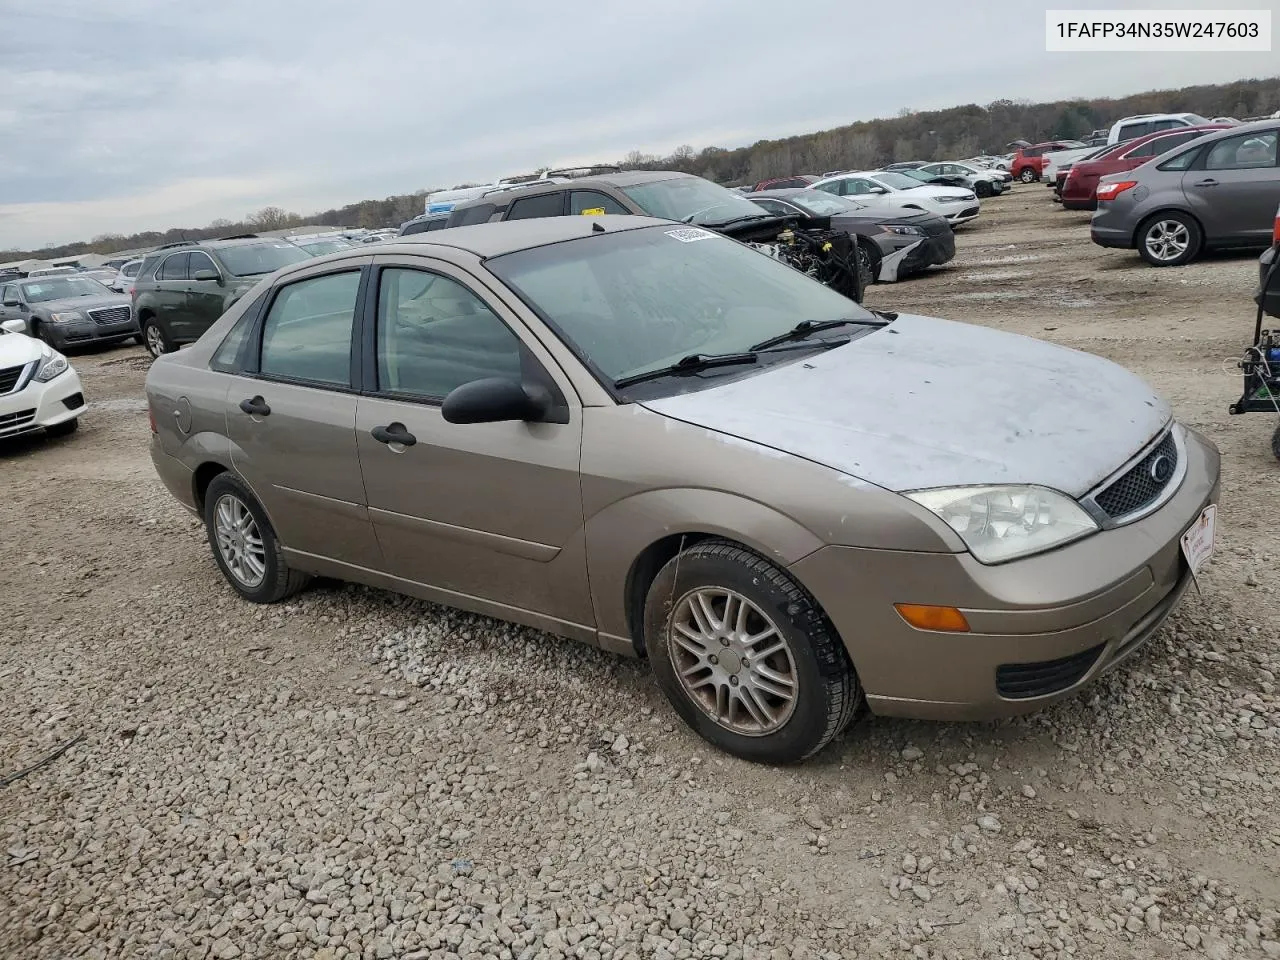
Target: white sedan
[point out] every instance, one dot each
(38, 387)
(886, 190)
(984, 183)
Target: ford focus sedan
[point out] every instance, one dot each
(651, 438)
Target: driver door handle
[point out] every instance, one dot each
(394, 433)
(1210, 182)
(255, 406)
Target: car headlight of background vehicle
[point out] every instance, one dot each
(903, 228)
(1006, 522)
(52, 363)
(71, 316)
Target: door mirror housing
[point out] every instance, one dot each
(879, 190)
(495, 400)
(12, 303)
(13, 326)
(206, 275)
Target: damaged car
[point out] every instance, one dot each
(890, 245)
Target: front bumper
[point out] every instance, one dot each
(63, 335)
(39, 405)
(964, 215)
(1042, 627)
(904, 254)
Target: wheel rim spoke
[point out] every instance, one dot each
(238, 541)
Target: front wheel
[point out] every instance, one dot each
(1169, 240)
(244, 544)
(868, 263)
(746, 656)
(63, 429)
(154, 338)
(982, 188)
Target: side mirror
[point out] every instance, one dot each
(879, 190)
(11, 303)
(495, 400)
(13, 326)
(205, 275)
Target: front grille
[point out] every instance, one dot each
(1138, 486)
(9, 378)
(1022, 681)
(8, 420)
(108, 315)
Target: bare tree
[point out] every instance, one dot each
(861, 150)
(272, 218)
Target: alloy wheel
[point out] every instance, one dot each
(732, 661)
(239, 541)
(155, 340)
(1167, 240)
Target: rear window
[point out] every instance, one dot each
(255, 259)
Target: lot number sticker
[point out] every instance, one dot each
(690, 234)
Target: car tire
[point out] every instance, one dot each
(244, 544)
(704, 666)
(63, 429)
(154, 338)
(868, 263)
(1028, 175)
(1169, 239)
(1275, 443)
(982, 189)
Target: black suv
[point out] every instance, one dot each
(182, 288)
(424, 222)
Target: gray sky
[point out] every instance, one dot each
(139, 114)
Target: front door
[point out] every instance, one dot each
(204, 297)
(291, 419)
(489, 512)
(171, 295)
(1237, 193)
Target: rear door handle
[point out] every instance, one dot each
(394, 433)
(255, 406)
(1207, 183)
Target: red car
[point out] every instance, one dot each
(1028, 161)
(1082, 176)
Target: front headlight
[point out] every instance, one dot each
(1003, 523)
(903, 228)
(71, 316)
(52, 363)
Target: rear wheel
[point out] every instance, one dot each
(1028, 175)
(746, 656)
(1275, 443)
(244, 545)
(1169, 240)
(154, 338)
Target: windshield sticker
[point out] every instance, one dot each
(34, 289)
(690, 234)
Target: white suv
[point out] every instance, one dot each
(38, 387)
(1144, 123)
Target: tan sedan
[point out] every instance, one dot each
(649, 437)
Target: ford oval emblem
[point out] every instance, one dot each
(1161, 469)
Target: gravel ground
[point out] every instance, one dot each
(359, 775)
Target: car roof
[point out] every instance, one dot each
(501, 196)
(494, 239)
(782, 192)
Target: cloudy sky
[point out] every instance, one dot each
(137, 114)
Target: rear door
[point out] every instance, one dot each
(291, 416)
(204, 297)
(487, 512)
(1237, 188)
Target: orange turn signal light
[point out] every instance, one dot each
(924, 616)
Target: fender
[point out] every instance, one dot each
(621, 532)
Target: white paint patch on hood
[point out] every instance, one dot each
(933, 403)
(17, 349)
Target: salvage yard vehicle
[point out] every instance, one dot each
(183, 287)
(827, 255)
(890, 245)
(1218, 192)
(1261, 362)
(39, 390)
(1139, 125)
(984, 183)
(125, 276)
(889, 188)
(1082, 176)
(1028, 159)
(647, 437)
(66, 310)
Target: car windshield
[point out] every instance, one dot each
(251, 259)
(897, 181)
(692, 200)
(318, 248)
(821, 204)
(639, 300)
(62, 288)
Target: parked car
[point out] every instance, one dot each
(1218, 191)
(1028, 159)
(39, 389)
(995, 180)
(890, 245)
(783, 183)
(1080, 179)
(424, 223)
(1063, 159)
(649, 438)
(66, 310)
(320, 246)
(1139, 125)
(52, 272)
(898, 190)
(123, 280)
(904, 165)
(182, 288)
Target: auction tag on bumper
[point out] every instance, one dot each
(1197, 542)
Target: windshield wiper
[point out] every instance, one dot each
(752, 217)
(688, 364)
(806, 327)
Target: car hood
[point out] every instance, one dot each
(932, 403)
(17, 350)
(81, 303)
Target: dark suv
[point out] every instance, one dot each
(182, 288)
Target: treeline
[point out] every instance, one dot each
(954, 133)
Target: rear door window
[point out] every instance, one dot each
(543, 205)
(307, 332)
(1131, 130)
(174, 268)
